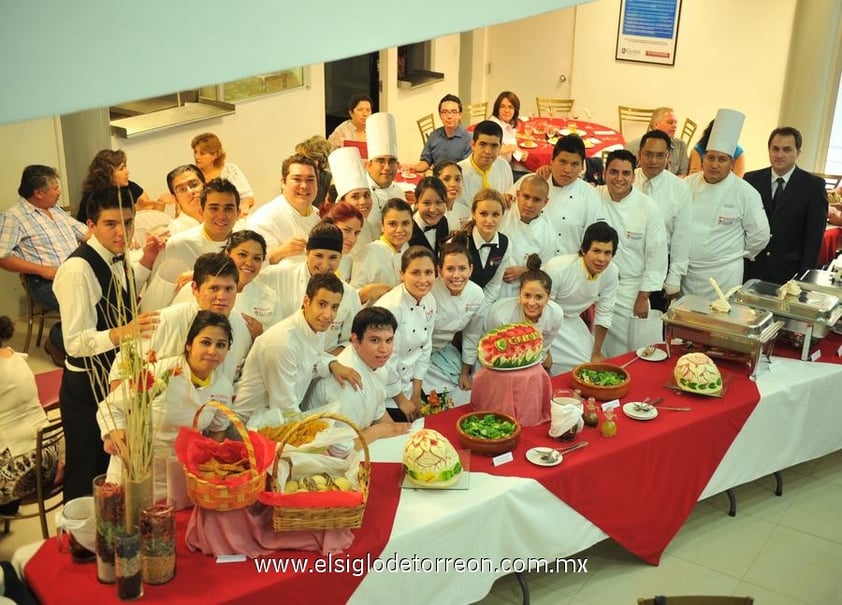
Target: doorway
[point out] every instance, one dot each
(343, 78)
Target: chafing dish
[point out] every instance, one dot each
(743, 333)
(819, 280)
(811, 314)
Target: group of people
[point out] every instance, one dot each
(368, 300)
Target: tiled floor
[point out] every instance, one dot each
(781, 551)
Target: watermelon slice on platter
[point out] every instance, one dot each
(511, 347)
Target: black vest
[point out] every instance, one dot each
(419, 237)
(481, 275)
(107, 315)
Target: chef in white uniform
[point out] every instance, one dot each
(528, 230)
(381, 262)
(642, 255)
(579, 281)
(381, 134)
(728, 220)
(352, 186)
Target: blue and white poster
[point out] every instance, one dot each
(648, 31)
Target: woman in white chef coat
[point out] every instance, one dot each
(460, 317)
(533, 306)
(350, 222)
(381, 263)
(192, 379)
(414, 307)
(352, 187)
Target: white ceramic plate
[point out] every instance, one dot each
(657, 354)
(528, 144)
(630, 411)
(535, 456)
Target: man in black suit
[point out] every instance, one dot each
(796, 206)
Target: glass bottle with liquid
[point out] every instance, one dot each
(608, 428)
(590, 417)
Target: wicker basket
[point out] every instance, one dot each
(218, 496)
(288, 518)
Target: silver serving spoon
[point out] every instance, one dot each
(551, 454)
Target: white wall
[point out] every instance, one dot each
(730, 54)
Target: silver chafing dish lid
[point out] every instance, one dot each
(810, 306)
(819, 280)
(694, 311)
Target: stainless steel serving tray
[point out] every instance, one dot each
(809, 306)
(694, 311)
(818, 280)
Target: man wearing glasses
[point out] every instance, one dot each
(186, 183)
(382, 165)
(663, 119)
(449, 142)
(672, 196)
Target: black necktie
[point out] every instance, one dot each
(492, 246)
(430, 228)
(118, 258)
(779, 190)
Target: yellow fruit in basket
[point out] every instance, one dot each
(342, 483)
(291, 486)
(320, 482)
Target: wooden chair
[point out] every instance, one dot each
(688, 131)
(637, 115)
(49, 436)
(697, 600)
(831, 181)
(35, 309)
(426, 125)
(549, 107)
(474, 112)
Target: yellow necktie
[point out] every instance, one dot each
(483, 173)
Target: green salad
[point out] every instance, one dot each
(488, 426)
(601, 378)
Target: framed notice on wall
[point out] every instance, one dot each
(648, 31)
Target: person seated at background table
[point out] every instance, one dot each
(185, 183)
(36, 235)
(193, 378)
(286, 221)
(528, 230)
(698, 152)
(450, 141)
(209, 156)
(573, 203)
(429, 226)
(460, 316)
(21, 415)
(505, 113)
(663, 119)
(288, 281)
(214, 288)
(353, 129)
(484, 168)
(458, 211)
(352, 187)
(220, 202)
(414, 308)
(372, 343)
(382, 165)
(532, 305)
(487, 247)
(291, 354)
(108, 169)
(580, 281)
(317, 148)
(381, 261)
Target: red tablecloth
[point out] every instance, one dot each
(524, 394)
(831, 242)
(640, 486)
(54, 578)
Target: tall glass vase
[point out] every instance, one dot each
(157, 529)
(128, 564)
(139, 495)
(109, 506)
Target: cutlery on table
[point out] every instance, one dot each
(646, 352)
(552, 454)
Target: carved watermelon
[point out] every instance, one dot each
(511, 346)
(696, 372)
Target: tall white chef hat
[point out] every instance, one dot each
(381, 133)
(726, 131)
(347, 169)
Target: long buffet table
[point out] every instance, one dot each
(500, 517)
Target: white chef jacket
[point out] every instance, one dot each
(464, 312)
(380, 265)
(499, 178)
(458, 216)
(728, 225)
(535, 237)
(256, 300)
(178, 256)
(413, 340)
(575, 290)
(172, 409)
(673, 198)
(509, 310)
(379, 197)
(288, 282)
(280, 367)
(570, 211)
(279, 222)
